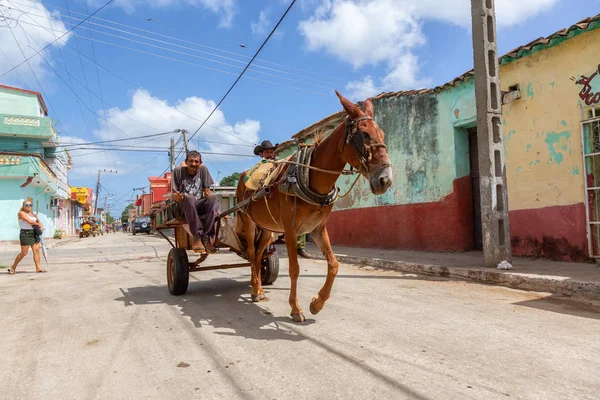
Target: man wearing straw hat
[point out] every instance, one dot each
(266, 151)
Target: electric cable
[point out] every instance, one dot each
(51, 43)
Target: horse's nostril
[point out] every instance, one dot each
(383, 181)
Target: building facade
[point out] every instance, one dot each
(551, 123)
(28, 154)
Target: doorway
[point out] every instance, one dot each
(476, 196)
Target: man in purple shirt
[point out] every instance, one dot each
(190, 187)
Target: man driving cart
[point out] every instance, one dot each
(190, 186)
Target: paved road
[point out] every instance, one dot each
(101, 325)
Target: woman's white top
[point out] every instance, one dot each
(26, 225)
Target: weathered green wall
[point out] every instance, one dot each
(427, 142)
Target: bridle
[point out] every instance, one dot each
(361, 141)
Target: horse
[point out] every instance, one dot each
(357, 141)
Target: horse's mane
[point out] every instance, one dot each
(319, 136)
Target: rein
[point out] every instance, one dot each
(358, 139)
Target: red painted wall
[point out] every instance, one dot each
(557, 233)
(446, 225)
(159, 186)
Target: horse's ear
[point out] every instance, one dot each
(349, 106)
(368, 108)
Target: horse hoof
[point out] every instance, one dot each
(313, 308)
(298, 317)
(259, 297)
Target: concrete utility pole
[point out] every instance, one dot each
(492, 172)
(185, 141)
(98, 187)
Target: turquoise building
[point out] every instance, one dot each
(30, 166)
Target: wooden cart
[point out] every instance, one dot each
(178, 264)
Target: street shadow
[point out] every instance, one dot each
(221, 303)
(224, 304)
(564, 305)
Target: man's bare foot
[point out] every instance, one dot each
(41, 271)
(11, 271)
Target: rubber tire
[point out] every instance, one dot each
(270, 269)
(181, 271)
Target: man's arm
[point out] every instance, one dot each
(176, 195)
(207, 180)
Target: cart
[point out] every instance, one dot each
(178, 263)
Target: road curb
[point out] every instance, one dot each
(515, 280)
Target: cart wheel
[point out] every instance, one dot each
(178, 271)
(270, 269)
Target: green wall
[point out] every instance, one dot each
(19, 103)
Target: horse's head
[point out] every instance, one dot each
(363, 147)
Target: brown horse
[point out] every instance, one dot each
(358, 142)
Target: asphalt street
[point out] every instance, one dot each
(102, 325)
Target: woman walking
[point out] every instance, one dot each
(28, 238)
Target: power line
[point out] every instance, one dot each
(195, 64)
(245, 69)
(85, 86)
(158, 151)
(145, 91)
(192, 55)
(258, 60)
(51, 43)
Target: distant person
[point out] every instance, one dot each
(190, 187)
(28, 236)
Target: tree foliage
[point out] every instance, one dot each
(230, 180)
(125, 213)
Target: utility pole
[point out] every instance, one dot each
(185, 141)
(172, 154)
(98, 187)
(492, 171)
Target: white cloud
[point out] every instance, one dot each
(262, 27)
(458, 12)
(148, 115)
(373, 32)
(226, 9)
(32, 33)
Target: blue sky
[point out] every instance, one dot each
(357, 47)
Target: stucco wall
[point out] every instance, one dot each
(542, 140)
(11, 199)
(19, 103)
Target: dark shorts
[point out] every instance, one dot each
(28, 237)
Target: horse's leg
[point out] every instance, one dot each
(294, 270)
(263, 241)
(321, 238)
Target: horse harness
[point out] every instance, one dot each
(295, 181)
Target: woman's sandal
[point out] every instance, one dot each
(41, 271)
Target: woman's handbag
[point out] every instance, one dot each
(37, 230)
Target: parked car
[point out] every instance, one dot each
(142, 224)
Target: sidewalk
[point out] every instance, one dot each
(8, 246)
(562, 278)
